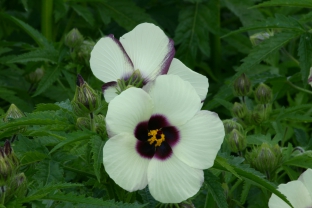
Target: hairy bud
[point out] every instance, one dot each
(257, 38)
(73, 39)
(261, 113)
(13, 113)
(239, 110)
(35, 76)
(265, 158)
(229, 125)
(263, 94)
(86, 100)
(237, 141)
(242, 86)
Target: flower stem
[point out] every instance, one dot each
(46, 18)
(2, 195)
(298, 88)
(92, 122)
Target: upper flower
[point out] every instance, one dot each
(138, 58)
(298, 193)
(161, 138)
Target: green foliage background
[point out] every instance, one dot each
(63, 163)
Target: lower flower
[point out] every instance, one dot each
(162, 139)
(298, 193)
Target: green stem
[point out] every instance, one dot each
(92, 122)
(216, 42)
(2, 196)
(46, 18)
(78, 171)
(298, 88)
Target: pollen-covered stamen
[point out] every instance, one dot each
(156, 135)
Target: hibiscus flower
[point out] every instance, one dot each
(162, 139)
(298, 193)
(138, 58)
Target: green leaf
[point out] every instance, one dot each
(126, 13)
(303, 160)
(38, 118)
(192, 33)
(51, 75)
(228, 105)
(84, 12)
(289, 3)
(147, 198)
(219, 161)
(247, 173)
(47, 54)
(73, 137)
(245, 192)
(37, 36)
(32, 157)
(279, 21)
(49, 171)
(258, 139)
(12, 97)
(215, 189)
(264, 49)
(42, 191)
(97, 145)
(305, 56)
(82, 200)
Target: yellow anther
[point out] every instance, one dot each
(154, 134)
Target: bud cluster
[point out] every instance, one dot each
(266, 158)
(235, 136)
(12, 183)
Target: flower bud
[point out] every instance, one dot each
(263, 94)
(9, 153)
(86, 100)
(261, 113)
(83, 123)
(6, 169)
(242, 86)
(85, 49)
(257, 38)
(239, 110)
(73, 39)
(35, 76)
(18, 185)
(229, 125)
(237, 141)
(13, 113)
(265, 158)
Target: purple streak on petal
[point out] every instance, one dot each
(121, 47)
(172, 135)
(141, 131)
(108, 85)
(163, 152)
(145, 149)
(310, 79)
(168, 58)
(158, 121)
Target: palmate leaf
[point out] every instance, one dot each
(250, 174)
(97, 145)
(32, 157)
(73, 137)
(84, 12)
(215, 189)
(262, 50)
(51, 75)
(303, 160)
(279, 21)
(89, 201)
(192, 33)
(48, 54)
(147, 198)
(126, 13)
(12, 97)
(305, 55)
(41, 191)
(289, 3)
(38, 118)
(49, 171)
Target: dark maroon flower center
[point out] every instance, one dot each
(156, 137)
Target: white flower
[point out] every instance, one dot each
(148, 51)
(298, 193)
(161, 139)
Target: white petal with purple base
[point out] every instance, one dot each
(198, 81)
(150, 50)
(109, 61)
(123, 164)
(172, 181)
(201, 139)
(128, 109)
(174, 98)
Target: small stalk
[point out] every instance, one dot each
(46, 18)
(298, 88)
(92, 122)
(2, 195)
